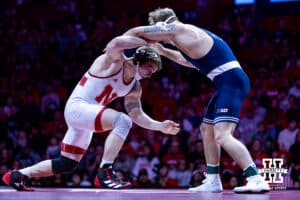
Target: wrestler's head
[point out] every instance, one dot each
(147, 60)
(166, 15)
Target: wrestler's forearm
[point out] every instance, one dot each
(176, 57)
(145, 121)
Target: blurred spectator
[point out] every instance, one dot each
(190, 120)
(257, 150)
(75, 180)
(182, 174)
(295, 159)
(50, 100)
(27, 156)
(145, 159)
(53, 148)
(59, 181)
(292, 66)
(125, 161)
(173, 153)
(287, 136)
(162, 179)
(272, 130)
(230, 180)
(197, 178)
(275, 113)
(142, 180)
(293, 109)
(258, 109)
(196, 152)
(263, 137)
(295, 89)
(85, 181)
(229, 164)
(39, 67)
(283, 99)
(248, 125)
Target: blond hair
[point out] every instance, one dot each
(162, 15)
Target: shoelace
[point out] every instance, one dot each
(113, 176)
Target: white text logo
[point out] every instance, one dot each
(272, 170)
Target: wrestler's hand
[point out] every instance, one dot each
(169, 127)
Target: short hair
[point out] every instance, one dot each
(162, 15)
(147, 54)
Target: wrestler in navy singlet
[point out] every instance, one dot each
(231, 82)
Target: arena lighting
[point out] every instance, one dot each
(249, 2)
(244, 2)
(282, 1)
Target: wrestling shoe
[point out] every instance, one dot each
(17, 180)
(211, 183)
(255, 184)
(106, 178)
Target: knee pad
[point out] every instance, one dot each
(63, 165)
(122, 125)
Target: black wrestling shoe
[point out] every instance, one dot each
(17, 180)
(106, 178)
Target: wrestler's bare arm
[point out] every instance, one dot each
(161, 32)
(189, 39)
(116, 46)
(173, 55)
(134, 109)
(153, 32)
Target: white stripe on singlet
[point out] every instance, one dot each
(223, 68)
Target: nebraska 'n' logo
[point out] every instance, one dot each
(106, 96)
(273, 170)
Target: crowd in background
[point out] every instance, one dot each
(46, 48)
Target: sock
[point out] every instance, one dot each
(251, 170)
(112, 146)
(41, 169)
(25, 171)
(213, 168)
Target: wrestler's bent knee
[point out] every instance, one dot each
(63, 165)
(122, 125)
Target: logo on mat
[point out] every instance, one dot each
(272, 170)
